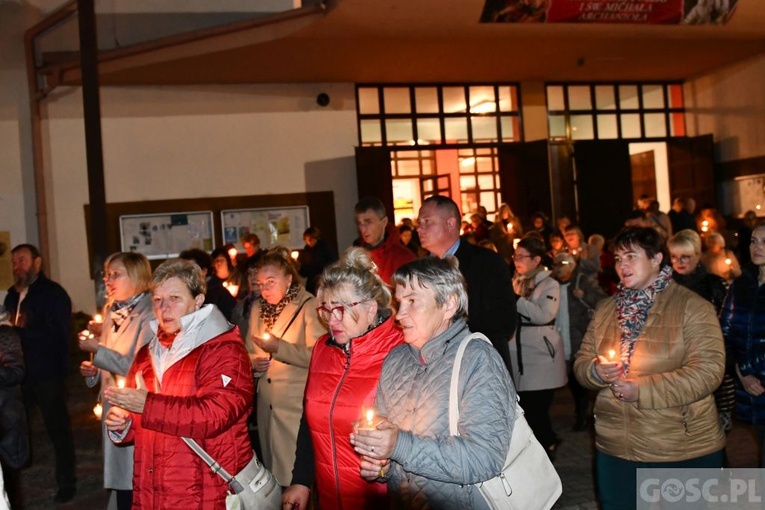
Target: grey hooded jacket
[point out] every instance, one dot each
(430, 468)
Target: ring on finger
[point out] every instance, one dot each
(372, 449)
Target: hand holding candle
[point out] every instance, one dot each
(268, 342)
(609, 369)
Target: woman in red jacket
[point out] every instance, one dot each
(193, 380)
(342, 382)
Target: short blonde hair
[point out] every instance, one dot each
(137, 267)
(186, 271)
(356, 270)
(685, 239)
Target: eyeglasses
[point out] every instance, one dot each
(683, 259)
(520, 257)
(336, 312)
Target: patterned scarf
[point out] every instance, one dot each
(120, 310)
(269, 313)
(632, 307)
(524, 284)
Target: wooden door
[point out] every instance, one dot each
(643, 165)
(373, 177)
(604, 185)
(691, 169)
(524, 175)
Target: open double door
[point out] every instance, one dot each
(589, 181)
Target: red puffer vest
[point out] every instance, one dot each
(207, 396)
(339, 384)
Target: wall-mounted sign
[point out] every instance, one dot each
(274, 226)
(165, 235)
(641, 12)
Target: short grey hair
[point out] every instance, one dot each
(186, 271)
(442, 276)
(356, 270)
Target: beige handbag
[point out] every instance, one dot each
(528, 480)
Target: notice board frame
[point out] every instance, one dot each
(159, 234)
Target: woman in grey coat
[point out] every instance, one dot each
(410, 445)
(114, 345)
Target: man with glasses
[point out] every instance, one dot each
(491, 301)
(41, 311)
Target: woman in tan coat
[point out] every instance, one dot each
(654, 351)
(284, 327)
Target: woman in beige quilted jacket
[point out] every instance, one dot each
(654, 351)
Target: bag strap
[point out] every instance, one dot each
(214, 465)
(294, 316)
(454, 411)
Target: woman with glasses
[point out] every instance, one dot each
(114, 344)
(536, 349)
(687, 270)
(654, 353)
(283, 330)
(342, 383)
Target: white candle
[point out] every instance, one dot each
(611, 355)
(370, 416)
(98, 318)
(120, 382)
(98, 411)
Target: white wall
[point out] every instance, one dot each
(730, 103)
(187, 142)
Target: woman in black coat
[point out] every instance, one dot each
(14, 442)
(687, 270)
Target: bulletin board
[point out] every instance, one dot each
(274, 226)
(744, 194)
(161, 236)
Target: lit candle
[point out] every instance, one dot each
(368, 420)
(232, 288)
(98, 318)
(232, 253)
(120, 382)
(267, 337)
(98, 411)
(294, 254)
(509, 226)
(728, 261)
(611, 355)
(705, 223)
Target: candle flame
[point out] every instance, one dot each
(728, 261)
(120, 382)
(266, 336)
(370, 417)
(98, 411)
(232, 253)
(233, 289)
(98, 318)
(611, 354)
(294, 254)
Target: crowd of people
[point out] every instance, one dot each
(335, 374)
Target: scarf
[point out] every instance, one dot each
(523, 285)
(120, 310)
(632, 307)
(269, 313)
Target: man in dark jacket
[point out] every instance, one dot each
(41, 311)
(491, 301)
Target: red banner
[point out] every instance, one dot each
(650, 12)
(641, 12)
